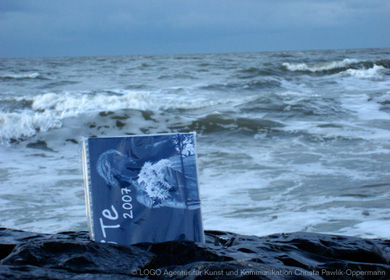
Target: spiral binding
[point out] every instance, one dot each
(87, 183)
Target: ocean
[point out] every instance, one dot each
(286, 141)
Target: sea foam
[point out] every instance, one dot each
(319, 67)
(369, 73)
(25, 124)
(20, 76)
(50, 109)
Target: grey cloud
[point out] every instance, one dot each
(125, 26)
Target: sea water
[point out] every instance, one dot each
(286, 141)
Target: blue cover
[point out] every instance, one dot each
(142, 188)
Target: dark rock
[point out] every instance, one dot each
(119, 124)
(71, 255)
(74, 141)
(40, 145)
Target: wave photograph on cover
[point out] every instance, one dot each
(155, 182)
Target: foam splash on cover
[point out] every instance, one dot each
(152, 179)
(185, 145)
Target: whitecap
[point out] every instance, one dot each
(75, 103)
(50, 109)
(325, 66)
(17, 125)
(20, 76)
(369, 73)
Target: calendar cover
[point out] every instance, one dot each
(142, 188)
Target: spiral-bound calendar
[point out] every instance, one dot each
(142, 188)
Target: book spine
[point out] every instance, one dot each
(87, 184)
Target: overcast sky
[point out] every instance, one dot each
(120, 27)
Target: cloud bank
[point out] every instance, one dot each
(98, 27)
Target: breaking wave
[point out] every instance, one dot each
(351, 67)
(373, 72)
(47, 111)
(72, 104)
(20, 76)
(320, 67)
(25, 124)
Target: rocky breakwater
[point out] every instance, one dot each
(71, 255)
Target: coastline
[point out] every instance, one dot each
(224, 255)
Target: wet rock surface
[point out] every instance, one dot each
(71, 255)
